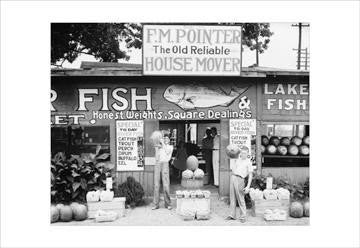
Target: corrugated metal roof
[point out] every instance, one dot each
(125, 69)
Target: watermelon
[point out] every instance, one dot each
(306, 140)
(304, 150)
(192, 163)
(307, 209)
(296, 140)
(285, 141)
(282, 150)
(274, 141)
(80, 212)
(262, 149)
(271, 149)
(264, 140)
(54, 213)
(293, 150)
(232, 151)
(66, 213)
(296, 209)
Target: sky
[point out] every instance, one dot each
(280, 53)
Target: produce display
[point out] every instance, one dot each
(285, 145)
(296, 209)
(256, 194)
(193, 177)
(105, 216)
(193, 204)
(275, 214)
(232, 151)
(269, 194)
(283, 194)
(74, 211)
(106, 195)
(93, 196)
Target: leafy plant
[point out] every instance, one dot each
(72, 178)
(132, 191)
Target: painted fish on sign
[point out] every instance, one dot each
(200, 96)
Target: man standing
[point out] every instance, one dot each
(207, 146)
(161, 172)
(215, 155)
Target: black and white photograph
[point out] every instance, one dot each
(190, 135)
(179, 123)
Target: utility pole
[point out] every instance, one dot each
(300, 25)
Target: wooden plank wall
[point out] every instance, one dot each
(295, 174)
(224, 160)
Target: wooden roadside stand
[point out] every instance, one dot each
(110, 101)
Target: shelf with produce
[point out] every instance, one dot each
(284, 156)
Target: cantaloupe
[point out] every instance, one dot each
(285, 141)
(304, 150)
(282, 150)
(296, 140)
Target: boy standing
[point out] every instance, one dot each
(161, 171)
(240, 169)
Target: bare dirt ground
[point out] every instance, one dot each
(145, 216)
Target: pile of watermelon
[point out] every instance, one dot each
(285, 145)
(299, 209)
(65, 213)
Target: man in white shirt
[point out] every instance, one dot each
(239, 171)
(163, 155)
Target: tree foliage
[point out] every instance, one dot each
(102, 40)
(256, 36)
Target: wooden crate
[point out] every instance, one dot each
(192, 183)
(200, 207)
(259, 206)
(117, 205)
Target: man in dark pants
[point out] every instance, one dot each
(207, 150)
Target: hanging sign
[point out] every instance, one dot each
(130, 145)
(191, 50)
(243, 133)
